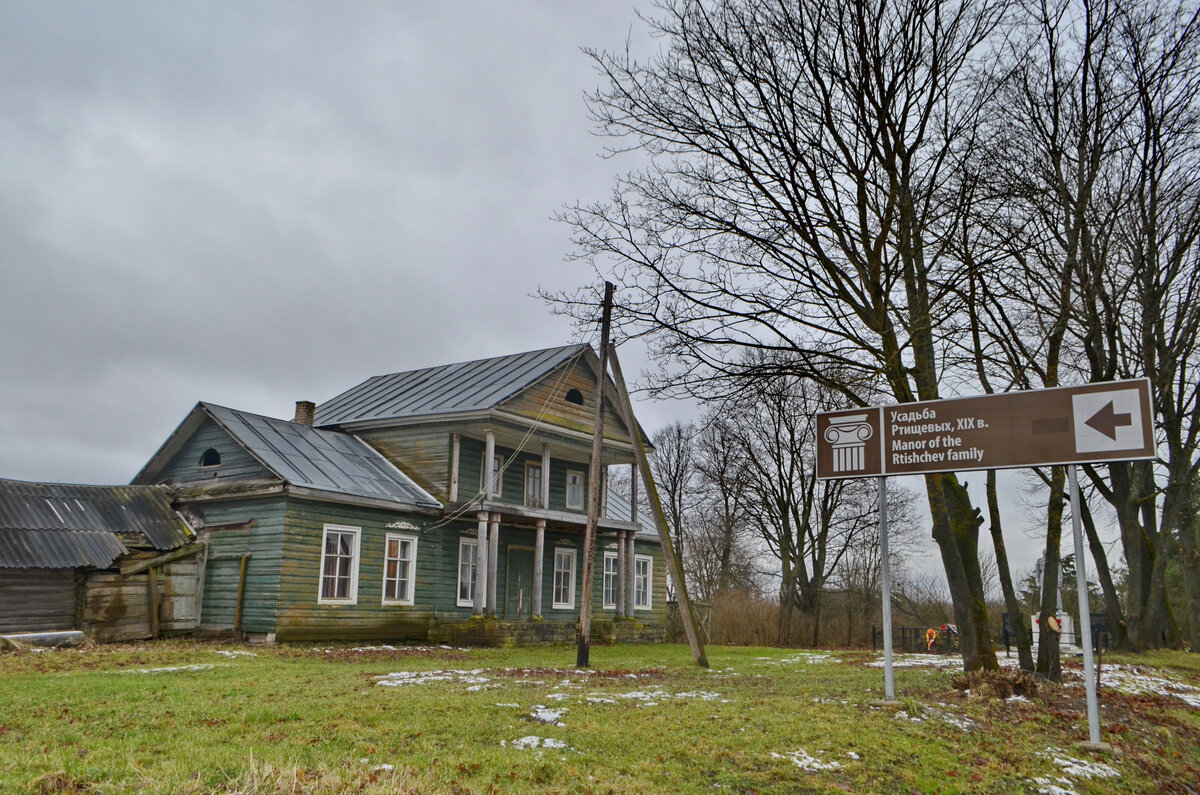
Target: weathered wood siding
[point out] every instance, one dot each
(228, 538)
(302, 617)
(236, 463)
(39, 600)
(546, 400)
(117, 608)
(422, 453)
(512, 490)
(657, 613)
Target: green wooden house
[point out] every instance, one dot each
(444, 504)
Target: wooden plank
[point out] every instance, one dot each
(178, 554)
(241, 593)
(152, 594)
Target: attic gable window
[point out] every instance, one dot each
(210, 458)
(574, 396)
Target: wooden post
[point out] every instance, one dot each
(545, 497)
(481, 556)
(152, 597)
(241, 594)
(630, 575)
(539, 552)
(674, 565)
(489, 466)
(619, 597)
(202, 569)
(633, 492)
(455, 448)
(493, 561)
(593, 518)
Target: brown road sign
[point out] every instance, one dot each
(1068, 425)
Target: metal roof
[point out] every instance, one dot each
(58, 549)
(60, 525)
(618, 508)
(312, 458)
(447, 389)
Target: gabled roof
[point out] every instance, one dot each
(302, 456)
(59, 525)
(447, 389)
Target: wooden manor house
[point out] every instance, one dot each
(445, 504)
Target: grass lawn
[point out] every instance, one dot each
(184, 717)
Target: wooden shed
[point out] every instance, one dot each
(116, 562)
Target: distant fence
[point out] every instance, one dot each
(914, 639)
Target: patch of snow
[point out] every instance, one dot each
(1141, 680)
(543, 715)
(1079, 768)
(803, 760)
(236, 653)
(401, 678)
(170, 669)
(533, 741)
(1057, 786)
(384, 767)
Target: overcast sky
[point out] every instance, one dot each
(252, 204)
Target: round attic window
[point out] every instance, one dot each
(211, 458)
(575, 396)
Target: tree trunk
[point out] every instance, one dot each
(1016, 618)
(1112, 602)
(1048, 664)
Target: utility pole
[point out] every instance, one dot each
(593, 517)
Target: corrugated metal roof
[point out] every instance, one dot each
(323, 460)
(64, 525)
(447, 389)
(58, 549)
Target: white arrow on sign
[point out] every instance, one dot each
(1107, 421)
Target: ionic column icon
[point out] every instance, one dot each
(849, 435)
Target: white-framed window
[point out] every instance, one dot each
(467, 551)
(564, 578)
(574, 489)
(339, 565)
(399, 569)
(497, 473)
(612, 580)
(533, 484)
(643, 581)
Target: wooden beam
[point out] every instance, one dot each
(539, 552)
(139, 566)
(152, 596)
(241, 594)
(455, 448)
(674, 564)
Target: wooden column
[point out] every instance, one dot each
(455, 448)
(489, 467)
(620, 586)
(604, 491)
(481, 567)
(539, 552)
(633, 493)
(493, 559)
(630, 574)
(545, 478)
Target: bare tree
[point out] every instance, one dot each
(792, 205)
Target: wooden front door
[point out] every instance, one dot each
(518, 584)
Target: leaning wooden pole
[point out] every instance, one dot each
(674, 564)
(593, 517)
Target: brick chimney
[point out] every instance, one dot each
(305, 409)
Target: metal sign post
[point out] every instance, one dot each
(885, 585)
